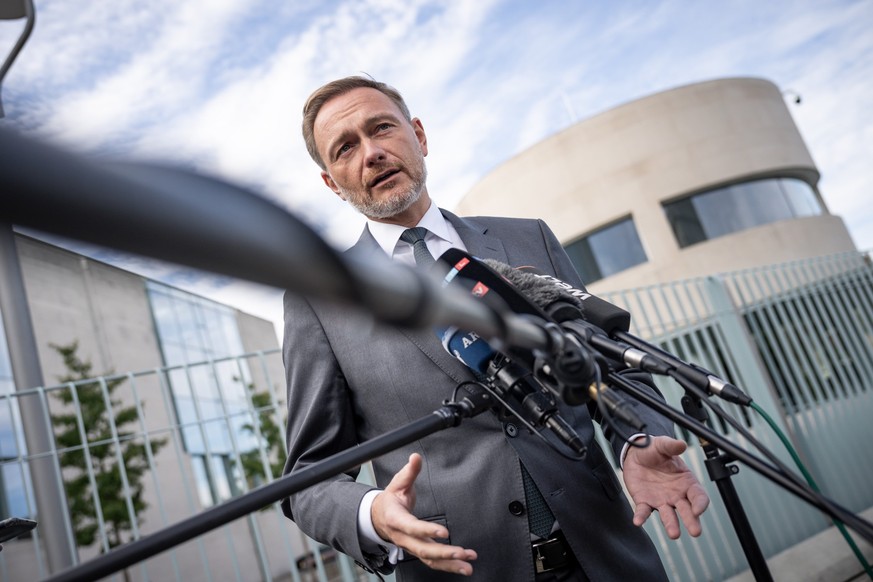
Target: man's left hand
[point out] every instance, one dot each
(658, 480)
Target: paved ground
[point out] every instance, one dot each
(825, 557)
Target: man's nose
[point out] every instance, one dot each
(373, 152)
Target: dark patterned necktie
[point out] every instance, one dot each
(539, 517)
(415, 237)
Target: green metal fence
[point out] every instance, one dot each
(182, 461)
(797, 337)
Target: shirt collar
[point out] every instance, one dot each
(387, 235)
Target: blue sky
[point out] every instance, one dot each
(218, 85)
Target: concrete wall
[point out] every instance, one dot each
(260, 335)
(104, 308)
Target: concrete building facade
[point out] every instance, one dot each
(182, 364)
(620, 188)
(698, 211)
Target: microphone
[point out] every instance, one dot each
(570, 307)
(615, 322)
(509, 284)
(509, 379)
(574, 367)
(547, 292)
(503, 374)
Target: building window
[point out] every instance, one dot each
(734, 208)
(15, 487)
(197, 336)
(607, 251)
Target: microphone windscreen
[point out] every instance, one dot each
(468, 347)
(596, 311)
(534, 287)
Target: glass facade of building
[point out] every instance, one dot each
(210, 394)
(607, 251)
(14, 476)
(715, 213)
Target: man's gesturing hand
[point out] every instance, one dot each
(658, 480)
(393, 520)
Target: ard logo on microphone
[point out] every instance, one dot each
(469, 339)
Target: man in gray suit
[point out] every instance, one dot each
(460, 501)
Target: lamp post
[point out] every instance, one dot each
(14, 10)
(48, 488)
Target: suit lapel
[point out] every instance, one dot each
(425, 340)
(476, 238)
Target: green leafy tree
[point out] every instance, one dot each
(270, 440)
(102, 457)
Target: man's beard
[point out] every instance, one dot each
(393, 205)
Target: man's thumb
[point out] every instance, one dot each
(405, 477)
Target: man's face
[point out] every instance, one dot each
(374, 157)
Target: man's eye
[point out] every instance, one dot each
(344, 148)
(383, 126)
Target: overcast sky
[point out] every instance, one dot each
(218, 85)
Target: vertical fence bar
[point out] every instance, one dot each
(177, 436)
(153, 469)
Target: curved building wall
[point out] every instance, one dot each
(632, 160)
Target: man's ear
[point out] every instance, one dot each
(328, 181)
(418, 128)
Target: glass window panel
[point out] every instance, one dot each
(740, 207)
(617, 247)
(201, 478)
(13, 490)
(685, 222)
(188, 323)
(763, 201)
(174, 354)
(801, 197)
(734, 208)
(8, 447)
(191, 432)
(165, 319)
(231, 334)
(197, 331)
(607, 251)
(5, 365)
(220, 474)
(217, 335)
(583, 259)
(217, 432)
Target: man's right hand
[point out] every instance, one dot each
(393, 520)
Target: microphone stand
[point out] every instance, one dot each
(830, 508)
(449, 415)
(720, 472)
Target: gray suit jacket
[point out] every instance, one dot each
(351, 379)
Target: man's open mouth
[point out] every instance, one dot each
(382, 177)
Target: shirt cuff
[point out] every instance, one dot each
(624, 450)
(370, 541)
